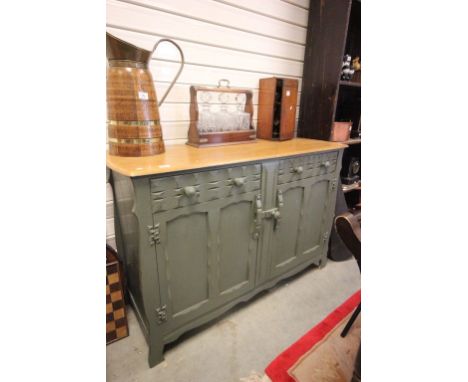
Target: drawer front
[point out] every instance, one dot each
(308, 166)
(183, 190)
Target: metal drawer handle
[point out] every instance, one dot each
(298, 169)
(326, 164)
(239, 181)
(189, 191)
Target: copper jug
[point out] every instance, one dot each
(133, 124)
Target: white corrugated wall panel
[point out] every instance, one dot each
(151, 21)
(241, 40)
(276, 9)
(299, 3)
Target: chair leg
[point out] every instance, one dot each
(351, 321)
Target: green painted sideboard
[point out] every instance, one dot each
(198, 238)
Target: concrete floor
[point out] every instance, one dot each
(245, 339)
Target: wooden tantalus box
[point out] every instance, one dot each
(116, 317)
(220, 115)
(277, 108)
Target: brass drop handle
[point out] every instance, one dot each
(298, 169)
(189, 191)
(326, 164)
(239, 181)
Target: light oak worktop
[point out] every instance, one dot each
(183, 157)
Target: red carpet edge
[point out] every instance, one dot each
(277, 370)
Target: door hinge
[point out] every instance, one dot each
(258, 216)
(153, 234)
(334, 184)
(279, 204)
(325, 237)
(161, 315)
(279, 199)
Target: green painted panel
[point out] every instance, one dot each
(315, 209)
(286, 231)
(234, 244)
(291, 170)
(169, 193)
(187, 260)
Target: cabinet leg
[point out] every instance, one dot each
(323, 262)
(155, 351)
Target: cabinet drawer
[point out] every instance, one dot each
(308, 166)
(189, 189)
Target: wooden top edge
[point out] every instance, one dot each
(182, 157)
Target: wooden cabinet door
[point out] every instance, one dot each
(317, 217)
(184, 255)
(206, 256)
(236, 246)
(298, 235)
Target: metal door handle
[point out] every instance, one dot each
(276, 215)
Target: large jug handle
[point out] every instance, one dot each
(182, 62)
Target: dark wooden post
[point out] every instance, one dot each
(326, 36)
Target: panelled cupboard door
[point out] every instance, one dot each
(236, 247)
(206, 256)
(298, 235)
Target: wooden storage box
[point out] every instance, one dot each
(341, 131)
(116, 315)
(277, 101)
(220, 115)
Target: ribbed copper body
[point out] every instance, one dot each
(132, 107)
